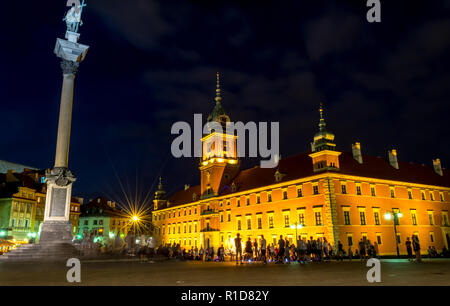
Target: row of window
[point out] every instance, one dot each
(94, 222)
(22, 207)
(376, 215)
(392, 192)
(270, 220)
(238, 202)
(188, 227)
(25, 223)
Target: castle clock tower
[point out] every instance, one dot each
(219, 163)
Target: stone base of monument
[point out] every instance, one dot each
(55, 244)
(43, 252)
(56, 232)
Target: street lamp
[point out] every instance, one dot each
(296, 226)
(395, 215)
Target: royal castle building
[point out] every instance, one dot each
(342, 196)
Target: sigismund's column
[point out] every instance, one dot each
(56, 227)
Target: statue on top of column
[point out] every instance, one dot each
(73, 16)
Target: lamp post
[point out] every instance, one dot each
(296, 226)
(395, 215)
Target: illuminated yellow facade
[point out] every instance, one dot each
(341, 196)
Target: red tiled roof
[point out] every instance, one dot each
(184, 196)
(300, 166)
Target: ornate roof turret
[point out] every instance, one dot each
(160, 194)
(323, 140)
(218, 114)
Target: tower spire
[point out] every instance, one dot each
(218, 97)
(322, 123)
(160, 194)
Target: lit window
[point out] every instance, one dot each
(358, 189)
(318, 216)
(362, 217)
(270, 221)
(379, 238)
(301, 217)
(299, 192)
(286, 220)
(445, 219)
(430, 217)
(413, 217)
(376, 216)
(316, 189)
(343, 188)
(347, 217)
(350, 240)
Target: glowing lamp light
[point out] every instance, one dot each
(232, 161)
(205, 163)
(399, 215)
(387, 216)
(111, 235)
(2, 233)
(220, 160)
(135, 218)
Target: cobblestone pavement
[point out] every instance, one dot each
(173, 273)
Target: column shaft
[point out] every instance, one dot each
(65, 121)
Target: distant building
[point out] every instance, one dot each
(324, 193)
(22, 204)
(102, 218)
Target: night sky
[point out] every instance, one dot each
(152, 63)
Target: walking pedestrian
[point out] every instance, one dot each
(263, 249)
(416, 247)
(238, 246)
(280, 254)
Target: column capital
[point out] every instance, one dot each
(61, 176)
(69, 67)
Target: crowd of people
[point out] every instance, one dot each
(284, 251)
